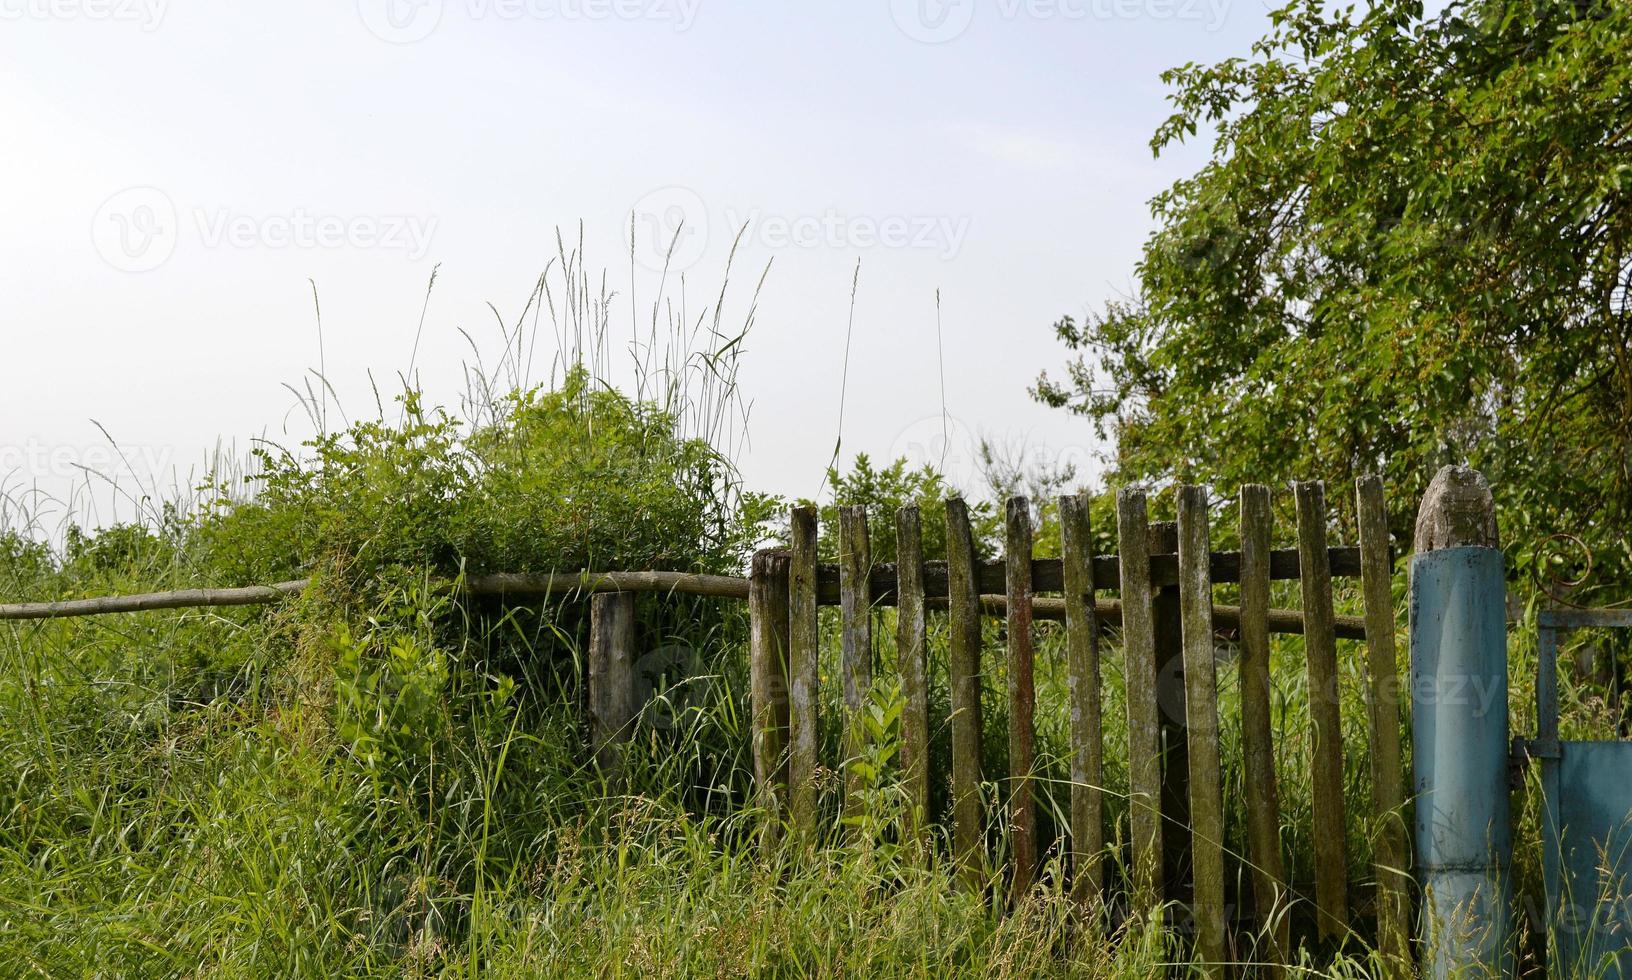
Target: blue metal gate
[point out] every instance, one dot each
(1587, 823)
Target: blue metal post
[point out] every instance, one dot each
(1459, 729)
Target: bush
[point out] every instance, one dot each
(577, 477)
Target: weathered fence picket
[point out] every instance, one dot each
(1383, 722)
(768, 680)
(855, 640)
(1257, 740)
(911, 655)
(611, 692)
(804, 642)
(1022, 698)
(1083, 680)
(963, 609)
(1139, 671)
(1201, 714)
(1326, 756)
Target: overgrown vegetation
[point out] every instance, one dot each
(383, 779)
(377, 780)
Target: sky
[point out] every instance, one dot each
(179, 177)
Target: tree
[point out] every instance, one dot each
(1409, 248)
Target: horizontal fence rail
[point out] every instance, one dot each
(254, 595)
(684, 583)
(881, 584)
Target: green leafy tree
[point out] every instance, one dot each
(1411, 247)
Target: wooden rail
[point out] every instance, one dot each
(688, 583)
(254, 595)
(881, 582)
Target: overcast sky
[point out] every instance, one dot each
(173, 173)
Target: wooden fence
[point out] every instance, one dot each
(1163, 576)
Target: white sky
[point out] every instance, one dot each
(173, 172)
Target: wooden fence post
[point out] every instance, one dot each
(768, 682)
(1326, 761)
(803, 679)
(911, 660)
(1144, 725)
(963, 609)
(856, 642)
(1022, 697)
(1201, 713)
(1392, 856)
(1257, 738)
(1083, 682)
(611, 678)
